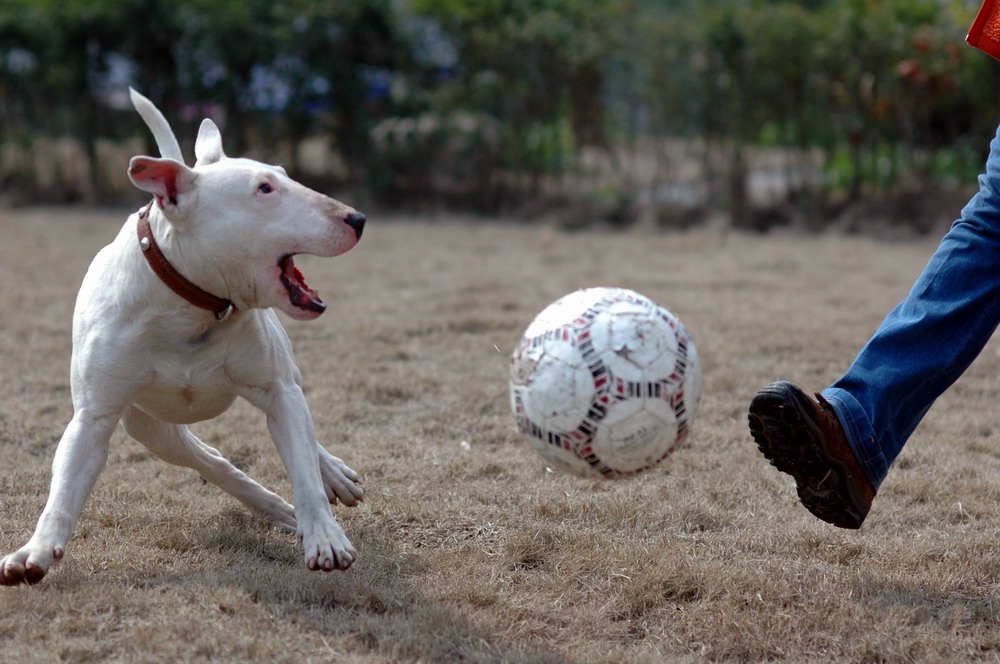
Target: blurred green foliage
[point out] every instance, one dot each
(481, 100)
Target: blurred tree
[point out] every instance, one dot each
(483, 96)
(66, 46)
(537, 66)
(340, 57)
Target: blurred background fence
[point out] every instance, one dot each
(671, 112)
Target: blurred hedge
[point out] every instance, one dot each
(488, 102)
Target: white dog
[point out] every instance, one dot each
(174, 321)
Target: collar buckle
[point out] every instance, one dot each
(221, 316)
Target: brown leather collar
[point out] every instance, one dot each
(174, 280)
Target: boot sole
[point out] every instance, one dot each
(788, 438)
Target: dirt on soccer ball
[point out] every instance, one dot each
(469, 549)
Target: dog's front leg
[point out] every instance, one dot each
(290, 423)
(79, 459)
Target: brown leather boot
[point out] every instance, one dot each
(802, 436)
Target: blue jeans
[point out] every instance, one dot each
(930, 338)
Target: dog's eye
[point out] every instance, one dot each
(265, 188)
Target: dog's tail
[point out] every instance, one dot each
(164, 135)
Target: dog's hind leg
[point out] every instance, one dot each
(177, 445)
(339, 480)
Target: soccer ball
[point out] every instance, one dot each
(604, 383)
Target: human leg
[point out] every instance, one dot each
(921, 348)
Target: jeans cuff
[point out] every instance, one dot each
(859, 433)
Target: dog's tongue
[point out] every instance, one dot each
(299, 292)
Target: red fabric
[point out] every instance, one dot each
(985, 31)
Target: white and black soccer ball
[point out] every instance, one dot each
(604, 383)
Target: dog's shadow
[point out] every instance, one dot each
(376, 608)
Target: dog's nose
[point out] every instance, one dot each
(356, 220)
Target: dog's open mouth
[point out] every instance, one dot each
(299, 292)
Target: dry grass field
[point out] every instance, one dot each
(476, 553)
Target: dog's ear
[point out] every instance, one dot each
(208, 147)
(168, 180)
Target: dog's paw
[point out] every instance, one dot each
(29, 564)
(280, 513)
(339, 481)
(326, 547)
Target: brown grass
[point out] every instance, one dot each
(482, 555)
